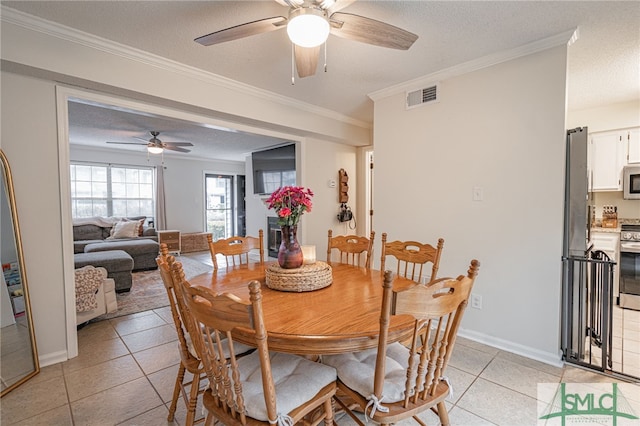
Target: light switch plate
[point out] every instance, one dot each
(478, 193)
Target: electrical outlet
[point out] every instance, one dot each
(476, 301)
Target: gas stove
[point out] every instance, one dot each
(630, 232)
(629, 265)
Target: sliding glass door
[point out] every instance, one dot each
(219, 205)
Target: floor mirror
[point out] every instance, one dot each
(19, 356)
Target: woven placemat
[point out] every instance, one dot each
(306, 278)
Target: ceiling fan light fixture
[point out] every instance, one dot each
(155, 149)
(308, 26)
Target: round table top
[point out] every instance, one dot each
(343, 317)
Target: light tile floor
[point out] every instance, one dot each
(126, 369)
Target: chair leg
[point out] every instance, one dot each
(443, 414)
(328, 412)
(193, 399)
(176, 392)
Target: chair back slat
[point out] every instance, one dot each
(236, 250)
(411, 257)
(352, 249)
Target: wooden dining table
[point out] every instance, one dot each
(343, 317)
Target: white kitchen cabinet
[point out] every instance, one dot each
(607, 157)
(633, 146)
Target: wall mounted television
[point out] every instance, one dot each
(273, 168)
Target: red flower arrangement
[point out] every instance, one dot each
(290, 202)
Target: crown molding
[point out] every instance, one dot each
(16, 17)
(566, 37)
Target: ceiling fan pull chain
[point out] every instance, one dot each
(293, 64)
(325, 56)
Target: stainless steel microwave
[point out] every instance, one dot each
(631, 182)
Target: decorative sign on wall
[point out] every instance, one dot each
(343, 180)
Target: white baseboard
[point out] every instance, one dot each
(550, 358)
(52, 358)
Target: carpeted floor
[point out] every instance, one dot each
(148, 292)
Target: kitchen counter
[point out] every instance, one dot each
(606, 230)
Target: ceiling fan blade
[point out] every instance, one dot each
(127, 143)
(370, 31)
(306, 60)
(177, 143)
(243, 30)
(176, 148)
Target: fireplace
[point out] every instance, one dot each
(274, 236)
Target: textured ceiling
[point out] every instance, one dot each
(604, 64)
(94, 124)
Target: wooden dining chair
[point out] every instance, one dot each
(411, 258)
(395, 382)
(236, 250)
(189, 359)
(352, 249)
(265, 388)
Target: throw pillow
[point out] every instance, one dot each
(139, 220)
(125, 229)
(140, 223)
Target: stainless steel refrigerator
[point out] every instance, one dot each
(587, 276)
(577, 213)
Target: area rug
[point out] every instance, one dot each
(148, 292)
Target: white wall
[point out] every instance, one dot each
(502, 129)
(331, 157)
(29, 139)
(184, 181)
(606, 117)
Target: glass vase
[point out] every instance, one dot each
(290, 253)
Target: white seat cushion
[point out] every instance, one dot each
(296, 379)
(357, 371)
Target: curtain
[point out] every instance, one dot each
(161, 212)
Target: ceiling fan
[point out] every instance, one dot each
(156, 146)
(308, 26)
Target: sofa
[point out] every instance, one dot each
(120, 245)
(98, 230)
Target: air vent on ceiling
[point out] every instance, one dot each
(422, 96)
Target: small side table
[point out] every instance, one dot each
(171, 239)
